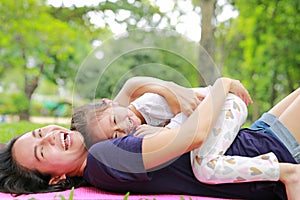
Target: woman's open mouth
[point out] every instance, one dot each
(65, 140)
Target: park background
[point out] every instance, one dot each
(43, 45)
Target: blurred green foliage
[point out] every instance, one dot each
(261, 50)
(165, 55)
(36, 45)
(42, 51)
(13, 103)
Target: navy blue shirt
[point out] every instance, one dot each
(116, 165)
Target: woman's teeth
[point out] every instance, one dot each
(65, 140)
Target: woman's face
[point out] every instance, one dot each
(52, 149)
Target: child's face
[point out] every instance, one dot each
(115, 121)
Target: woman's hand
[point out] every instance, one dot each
(237, 88)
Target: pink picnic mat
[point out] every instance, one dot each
(88, 193)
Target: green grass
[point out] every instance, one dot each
(9, 130)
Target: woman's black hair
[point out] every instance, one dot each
(17, 180)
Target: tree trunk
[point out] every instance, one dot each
(206, 66)
(289, 80)
(24, 115)
(273, 89)
(30, 85)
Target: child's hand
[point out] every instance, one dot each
(147, 131)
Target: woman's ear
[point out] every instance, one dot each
(57, 179)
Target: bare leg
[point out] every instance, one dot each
(279, 108)
(289, 175)
(288, 113)
(291, 118)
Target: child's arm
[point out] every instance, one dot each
(179, 98)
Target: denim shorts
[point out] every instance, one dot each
(270, 124)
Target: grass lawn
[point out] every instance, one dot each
(9, 130)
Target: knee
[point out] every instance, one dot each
(240, 111)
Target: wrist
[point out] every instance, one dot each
(226, 83)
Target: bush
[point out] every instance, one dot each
(13, 103)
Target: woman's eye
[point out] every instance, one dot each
(40, 133)
(42, 152)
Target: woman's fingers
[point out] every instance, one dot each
(238, 89)
(200, 96)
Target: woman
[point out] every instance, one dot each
(61, 154)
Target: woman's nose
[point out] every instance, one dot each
(49, 138)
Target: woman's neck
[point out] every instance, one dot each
(79, 170)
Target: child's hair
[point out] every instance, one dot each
(84, 117)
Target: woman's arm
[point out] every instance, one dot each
(171, 143)
(179, 98)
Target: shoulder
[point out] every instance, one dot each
(120, 153)
(115, 160)
(127, 143)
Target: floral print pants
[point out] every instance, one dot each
(209, 163)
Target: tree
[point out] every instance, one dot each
(38, 44)
(208, 41)
(161, 54)
(144, 14)
(128, 14)
(263, 50)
